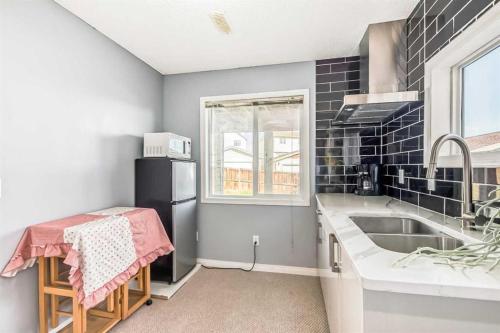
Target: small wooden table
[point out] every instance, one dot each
(119, 305)
(47, 243)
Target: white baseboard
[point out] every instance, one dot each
(260, 267)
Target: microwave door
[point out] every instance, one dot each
(183, 180)
(175, 148)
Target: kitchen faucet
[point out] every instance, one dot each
(468, 216)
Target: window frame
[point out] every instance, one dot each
(302, 199)
(443, 89)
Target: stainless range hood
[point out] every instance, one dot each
(382, 75)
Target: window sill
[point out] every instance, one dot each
(299, 202)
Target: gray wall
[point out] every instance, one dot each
(287, 235)
(73, 108)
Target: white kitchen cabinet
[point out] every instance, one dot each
(329, 279)
(342, 290)
(369, 295)
(329, 294)
(351, 297)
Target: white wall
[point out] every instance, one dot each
(73, 108)
(287, 235)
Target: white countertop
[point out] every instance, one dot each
(422, 276)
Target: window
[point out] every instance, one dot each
(462, 82)
(255, 148)
(481, 102)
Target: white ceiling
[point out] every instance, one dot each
(178, 36)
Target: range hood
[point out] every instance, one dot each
(383, 70)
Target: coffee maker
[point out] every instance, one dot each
(369, 180)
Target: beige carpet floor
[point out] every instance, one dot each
(235, 301)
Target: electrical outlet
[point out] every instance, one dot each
(431, 184)
(401, 178)
(255, 240)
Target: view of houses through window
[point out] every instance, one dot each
(481, 102)
(254, 147)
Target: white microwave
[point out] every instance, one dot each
(167, 145)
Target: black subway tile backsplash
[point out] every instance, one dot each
(453, 207)
(454, 174)
(335, 77)
(325, 115)
(345, 66)
(340, 147)
(452, 190)
(393, 192)
(419, 185)
(416, 157)
(337, 180)
(430, 27)
(436, 42)
(323, 69)
(471, 10)
(431, 202)
(330, 96)
(398, 141)
(409, 196)
(323, 87)
(409, 144)
(331, 189)
(352, 76)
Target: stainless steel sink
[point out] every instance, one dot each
(400, 234)
(393, 225)
(409, 243)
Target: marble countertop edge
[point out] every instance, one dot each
(374, 265)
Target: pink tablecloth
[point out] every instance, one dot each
(47, 239)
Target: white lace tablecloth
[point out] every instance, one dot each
(106, 249)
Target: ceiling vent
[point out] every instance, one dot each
(383, 75)
(220, 22)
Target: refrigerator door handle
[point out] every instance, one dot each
(182, 201)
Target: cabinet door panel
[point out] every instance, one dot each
(351, 298)
(322, 262)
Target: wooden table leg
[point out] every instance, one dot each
(77, 314)
(110, 303)
(124, 309)
(140, 280)
(84, 320)
(42, 310)
(117, 298)
(147, 280)
(54, 299)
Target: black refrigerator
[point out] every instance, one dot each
(169, 186)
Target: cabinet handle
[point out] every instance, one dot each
(319, 212)
(320, 232)
(334, 253)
